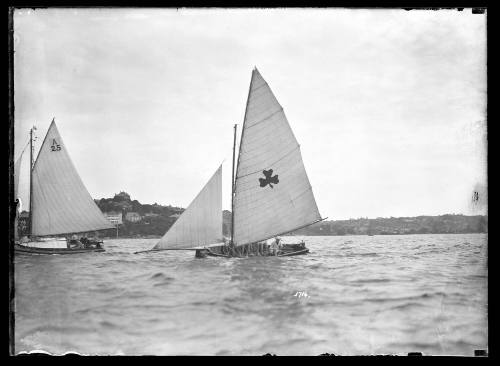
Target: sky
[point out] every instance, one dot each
(388, 105)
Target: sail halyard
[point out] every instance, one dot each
(270, 154)
(60, 203)
(201, 223)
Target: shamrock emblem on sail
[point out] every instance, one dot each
(269, 178)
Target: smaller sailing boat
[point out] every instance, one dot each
(271, 193)
(60, 206)
(200, 225)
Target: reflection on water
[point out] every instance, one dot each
(365, 295)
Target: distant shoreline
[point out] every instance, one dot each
(146, 221)
(443, 224)
(159, 237)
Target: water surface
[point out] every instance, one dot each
(360, 295)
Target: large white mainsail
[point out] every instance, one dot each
(61, 204)
(272, 192)
(201, 222)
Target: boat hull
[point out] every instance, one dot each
(34, 250)
(296, 252)
(222, 251)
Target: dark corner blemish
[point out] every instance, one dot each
(474, 10)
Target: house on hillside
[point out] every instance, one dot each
(116, 218)
(133, 217)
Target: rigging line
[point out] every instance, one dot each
(24, 149)
(266, 118)
(273, 163)
(26, 145)
(285, 232)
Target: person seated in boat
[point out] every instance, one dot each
(261, 248)
(275, 247)
(93, 241)
(225, 248)
(255, 249)
(280, 243)
(85, 242)
(73, 243)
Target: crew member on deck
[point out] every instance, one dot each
(275, 246)
(85, 241)
(74, 241)
(280, 243)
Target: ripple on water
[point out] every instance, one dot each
(363, 255)
(161, 276)
(169, 302)
(372, 280)
(108, 325)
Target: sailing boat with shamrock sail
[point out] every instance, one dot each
(60, 205)
(271, 193)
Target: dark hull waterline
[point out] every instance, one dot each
(31, 250)
(298, 252)
(286, 251)
(284, 254)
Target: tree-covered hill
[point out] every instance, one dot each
(153, 220)
(444, 224)
(150, 219)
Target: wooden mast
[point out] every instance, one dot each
(31, 182)
(232, 188)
